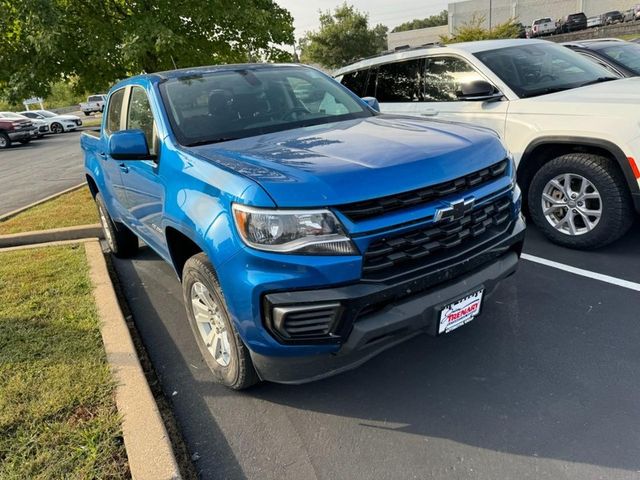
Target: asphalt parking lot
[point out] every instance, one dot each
(41, 168)
(545, 385)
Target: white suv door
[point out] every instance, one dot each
(443, 77)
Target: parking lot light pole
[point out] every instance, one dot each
(490, 4)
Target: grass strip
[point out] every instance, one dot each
(68, 210)
(57, 409)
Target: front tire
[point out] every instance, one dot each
(57, 127)
(5, 141)
(218, 340)
(86, 114)
(580, 201)
(122, 242)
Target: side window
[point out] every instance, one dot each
(115, 111)
(356, 81)
(399, 82)
(139, 115)
(443, 77)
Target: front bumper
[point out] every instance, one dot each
(392, 313)
(20, 135)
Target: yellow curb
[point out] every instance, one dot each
(145, 438)
(52, 235)
(15, 212)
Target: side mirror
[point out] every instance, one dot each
(479, 91)
(372, 102)
(129, 145)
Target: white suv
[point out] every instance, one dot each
(573, 128)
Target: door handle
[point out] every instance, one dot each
(123, 167)
(431, 112)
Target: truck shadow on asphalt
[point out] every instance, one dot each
(550, 370)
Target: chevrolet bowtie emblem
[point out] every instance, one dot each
(455, 211)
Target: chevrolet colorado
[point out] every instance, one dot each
(309, 231)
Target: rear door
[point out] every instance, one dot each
(115, 198)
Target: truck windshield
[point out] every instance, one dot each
(231, 104)
(541, 68)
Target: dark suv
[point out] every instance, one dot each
(574, 22)
(610, 18)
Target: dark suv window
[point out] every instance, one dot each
(399, 82)
(115, 111)
(356, 81)
(443, 77)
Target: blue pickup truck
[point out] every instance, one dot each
(309, 231)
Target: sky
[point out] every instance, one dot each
(387, 12)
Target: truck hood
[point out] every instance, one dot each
(615, 98)
(356, 160)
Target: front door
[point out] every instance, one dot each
(143, 184)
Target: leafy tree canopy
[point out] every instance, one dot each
(474, 30)
(433, 21)
(344, 36)
(93, 43)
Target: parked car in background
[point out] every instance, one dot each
(613, 17)
(57, 123)
(309, 231)
(573, 23)
(94, 103)
(572, 126)
(14, 130)
(39, 129)
(595, 21)
(542, 27)
(629, 15)
(618, 56)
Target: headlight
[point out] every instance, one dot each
(292, 231)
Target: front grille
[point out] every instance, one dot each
(396, 255)
(381, 206)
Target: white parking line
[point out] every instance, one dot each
(584, 273)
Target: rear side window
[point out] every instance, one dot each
(139, 115)
(95, 98)
(115, 111)
(399, 82)
(443, 77)
(356, 81)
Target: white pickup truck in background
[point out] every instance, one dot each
(95, 103)
(543, 26)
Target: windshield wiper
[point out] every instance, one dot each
(599, 80)
(209, 142)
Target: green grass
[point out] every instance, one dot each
(630, 37)
(57, 410)
(68, 210)
(92, 122)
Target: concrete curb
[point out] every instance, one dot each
(49, 244)
(15, 212)
(54, 235)
(145, 437)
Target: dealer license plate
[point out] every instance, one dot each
(460, 312)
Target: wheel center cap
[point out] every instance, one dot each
(571, 203)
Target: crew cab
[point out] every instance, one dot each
(94, 103)
(542, 27)
(572, 126)
(14, 130)
(309, 231)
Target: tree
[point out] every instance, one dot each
(433, 21)
(97, 42)
(344, 36)
(474, 30)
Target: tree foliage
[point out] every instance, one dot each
(474, 30)
(98, 42)
(344, 36)
(433, 21)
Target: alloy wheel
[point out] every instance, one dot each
(571, 204)
(210, 324)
